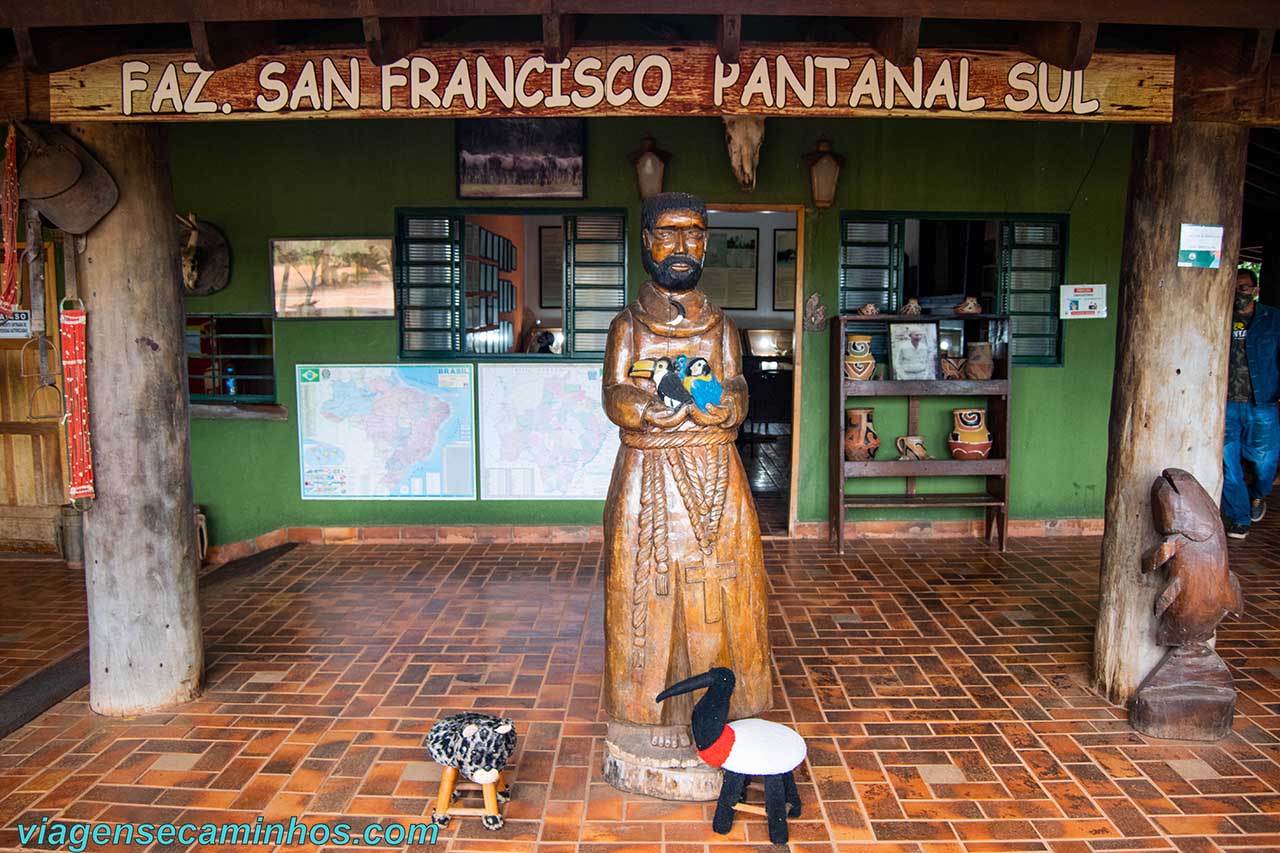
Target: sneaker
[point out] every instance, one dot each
(1236, 530)
(1257, 509)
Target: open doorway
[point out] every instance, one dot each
(751, 271)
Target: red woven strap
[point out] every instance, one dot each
(718, 752)
(9, 213)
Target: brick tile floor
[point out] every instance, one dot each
(43, 618)
(942, 688)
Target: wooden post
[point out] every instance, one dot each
(145, 646)
(1169, 396)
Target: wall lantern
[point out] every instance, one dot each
(824, 171)
(650, 162)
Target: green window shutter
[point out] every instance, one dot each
(1031, 270)
(428, 275)
(870, 262)
(595, 255)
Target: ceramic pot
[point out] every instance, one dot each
(970, 439)
(980, 364)
(952, 368)
(969, 306)
(912, 307)
(859, 363)
(860, 439)
(911, 447)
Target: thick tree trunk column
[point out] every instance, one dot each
(145, 647)
(1168, 400)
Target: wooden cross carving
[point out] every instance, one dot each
(711, 580)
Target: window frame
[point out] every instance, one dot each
(461, 212)
(1002, 219)
(236, 399)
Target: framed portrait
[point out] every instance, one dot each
(913, 351)
(730, 268)
(551, 266)
(521, 157)
(784, 269)
(332, 277)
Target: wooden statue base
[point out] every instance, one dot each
(633, 764)
(1188, 696)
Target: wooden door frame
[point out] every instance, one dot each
(797, 336)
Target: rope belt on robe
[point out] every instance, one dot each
(699, 463)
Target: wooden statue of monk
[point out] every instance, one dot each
(685, 572)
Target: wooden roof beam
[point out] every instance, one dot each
(729, 38)
(896, 39)
(1212, 80)
(47, 49)
(1190, 13)
(222, 44)
(1067, 45)
(390, 40)
(558, 32)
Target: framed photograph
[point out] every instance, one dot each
(521, 157)
(730, 270)
(784, 269)
(332, 277)
(913, 351)
(551, 266)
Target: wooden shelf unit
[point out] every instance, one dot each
(994, 500)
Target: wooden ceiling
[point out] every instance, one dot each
(53, 35)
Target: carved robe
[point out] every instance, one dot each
(686, 586)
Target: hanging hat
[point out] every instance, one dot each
(48, 169)
(212, 257)
(81, 206)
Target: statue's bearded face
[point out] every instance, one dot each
(674, 249)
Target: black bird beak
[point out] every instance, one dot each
(697, 682)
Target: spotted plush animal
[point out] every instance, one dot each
(478, 746)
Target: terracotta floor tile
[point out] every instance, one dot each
(942, 687)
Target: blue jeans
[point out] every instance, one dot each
(1253, 434)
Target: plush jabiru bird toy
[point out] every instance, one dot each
(742, 749)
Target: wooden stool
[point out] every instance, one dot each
(451, 789)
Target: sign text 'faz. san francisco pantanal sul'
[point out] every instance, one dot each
(496, 80)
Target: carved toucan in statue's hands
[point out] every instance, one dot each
(670, 388)
(743, 748)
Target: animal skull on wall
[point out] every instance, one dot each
(743, 135)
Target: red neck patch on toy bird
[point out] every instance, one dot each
(716, 754)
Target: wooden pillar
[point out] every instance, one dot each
(145, 646)
(1169, 394)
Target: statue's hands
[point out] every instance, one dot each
(657, 414)
(714, 416)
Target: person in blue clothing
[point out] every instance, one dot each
(1252, 429)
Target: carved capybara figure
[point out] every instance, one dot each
(1201, 590)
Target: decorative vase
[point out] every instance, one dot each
(911, 447)
(859, 363)
(971, 305)
(980, 364)
(912, 308)
(952, 367)
(860, 439)
(971, 439)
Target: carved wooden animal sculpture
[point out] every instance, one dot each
(743, 135)
(685, 588)
(1189, 695)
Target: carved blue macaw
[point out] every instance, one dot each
(701, 382)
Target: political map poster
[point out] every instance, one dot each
(386, 432)
(544, 435)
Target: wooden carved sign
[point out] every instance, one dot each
(501, 80)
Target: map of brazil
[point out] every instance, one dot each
(386, 432)
(544, 435)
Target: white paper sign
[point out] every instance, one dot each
(1078, 301)
(17, 326)
(1200, 246)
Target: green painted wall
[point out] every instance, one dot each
(322, 178)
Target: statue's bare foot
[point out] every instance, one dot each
(670, 737)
